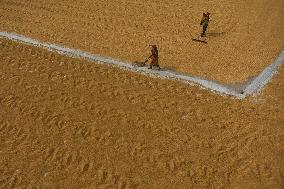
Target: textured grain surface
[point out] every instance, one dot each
(243, 37)
(69, 123)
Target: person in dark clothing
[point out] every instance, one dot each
(204, 23)
(154, 57)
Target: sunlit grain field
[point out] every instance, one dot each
(71, 123)
(244, 37)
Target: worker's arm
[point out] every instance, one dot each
(148, 58)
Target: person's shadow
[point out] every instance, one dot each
(171, 68)
(215, 34)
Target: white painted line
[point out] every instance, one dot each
(241, 92)
(265, 76)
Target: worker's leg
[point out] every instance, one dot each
(154, 63)
(158, 66)
(204, 30)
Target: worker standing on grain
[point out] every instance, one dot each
(154, 57)
(204, 23)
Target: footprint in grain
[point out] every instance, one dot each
(13, 181)
(69, 158)
(21, 138)
(51, 154)
(109, 181)
(155, 157)
(84, 131)
(3, 125)
(101, 174)
(175, 163)
(16, 80)
(58, 121)
(10, 181)
(121, 184)
(4, 181)
(85, 166)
